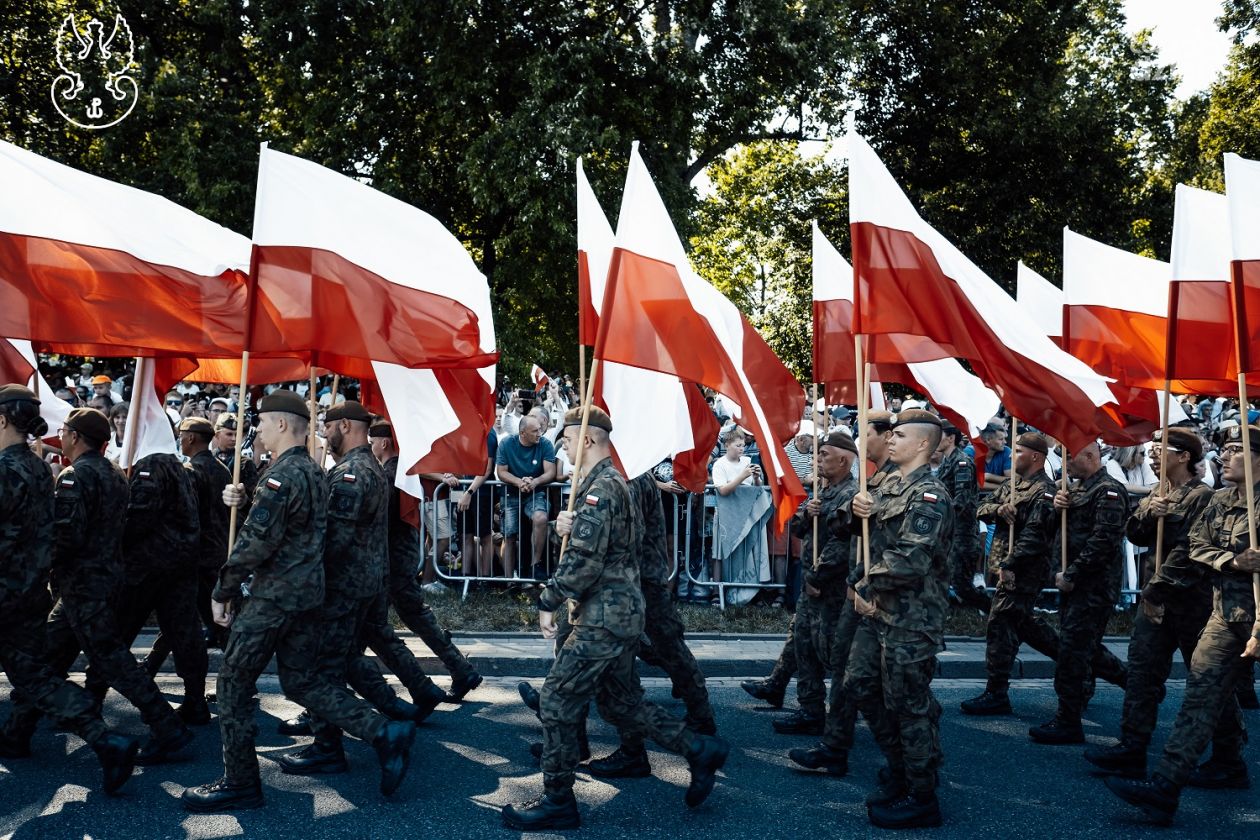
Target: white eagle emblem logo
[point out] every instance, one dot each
(99, 65)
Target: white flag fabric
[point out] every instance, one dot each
(148, 430)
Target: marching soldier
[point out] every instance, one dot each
(224, 448)
(904, 600)
(1097, 507)
(958, 473)
(599, 575)
(27, 512)
(1225, 650)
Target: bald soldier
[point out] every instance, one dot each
(903, 598)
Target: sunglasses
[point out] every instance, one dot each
(175, 403)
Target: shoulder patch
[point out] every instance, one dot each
(1047, 495)
(349, 477)
(66, 482)
(144, 473)
(930, 497)
(592, 499)
(1112, 494)
(273, 483)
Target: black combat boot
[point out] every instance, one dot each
(992, 702)
(799, 722)
(14, 746)
(194, 711)
(708, 726)
(553, 811)
(890, 786)
(766, 690)
(1058, 731)
(1157, 797)
(117, 754)
(223, 795)
(705, 756)
(822, 757)
(393, 749)
(529, 696)
(164, 745)
(622, 764)
(1127, 758)
(912, 810)
(323, 755)
(426, 700)
(461, 687)
(1220, 773)
(300, 725)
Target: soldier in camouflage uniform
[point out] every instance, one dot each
(958, 473)
(224, 443)
(160, 541)
(772, 689)
(26, 546)
(1022, 570)
(599, 575)
(1228, 645)
(664, 630)
(904, 599)
(1176, 603)
(88, 575)
(356, 557)
(281, 545)
(830, 638)
(1097, 507)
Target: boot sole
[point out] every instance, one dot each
(511, 822)
(634, 774)
(236, 805)
(697, 799)
(1242, 784)
(1150, 811)
(986, 712)
(932, 821)
(318, 770)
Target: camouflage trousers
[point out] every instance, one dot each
(785, 666)
(392, 651)
(665, 630)
(1082, 623)
(962, 573)
(24, 659)
(837, 625)
(216, 636)
(172, 595)
(338, 645)
(889, 676)
(1205, 713)
(90, 625)
(594, 664)
(408, 600)
(807, 637)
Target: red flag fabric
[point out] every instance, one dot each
(658, 314)
(914, 287)
(1242, 189)
(14, 367)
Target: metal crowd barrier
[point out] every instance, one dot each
(707, 531)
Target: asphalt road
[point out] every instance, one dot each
(472, 759)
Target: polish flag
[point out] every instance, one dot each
(21, 366)
(539, 376)
(148, 430)
(658, 314)
(1041, 300)
(927, 301)
(655, 415)
(91, 267)
(1242, 189)
(958, 395)
(347, 272)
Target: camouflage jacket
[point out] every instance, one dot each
(209, 477)
(26, 525)
(1095, 535)
(91, 511)
(958, 473)
(1221, 533)
(282, 541)
(163, 527)
(888, 470)
(356, 548)
(599, 570)
(1036, 532)
(829, 575)
(911, 532)
(1180, 581)
(249, 473)
(404, 539)
(654, 562)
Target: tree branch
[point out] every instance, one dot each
(721, 147)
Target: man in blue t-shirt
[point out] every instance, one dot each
(997, 466)
(525, 463)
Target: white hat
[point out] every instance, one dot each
(807, 429)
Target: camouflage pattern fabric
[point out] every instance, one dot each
(1036, 532)
(958, 473)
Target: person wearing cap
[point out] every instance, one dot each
(1230, 641)
(101, 386)
(598, 575)
(215, 408)
(223, 445)
(356, 561)
(1176, 603)
(280, 553)
(1097, 507)
(1022, 569)
(825, 620)
(160, 537)
(406, 593)
(91, 504)
(904, 599)
(27, 535)
(957, 472)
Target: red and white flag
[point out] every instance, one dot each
(148, 430)
(655, 415)
(959, 395)
(21, 367)
(1242, 189)
(1041, 300)
(92, 267)
(347, 272)
(539, 377)
(927, 301)
(658, 314)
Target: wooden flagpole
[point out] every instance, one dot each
(251, 293)
(1010, 534)
(581, 449)
(863, 398)
(310, 430)
(815, 472)
(1063, 482)
(1241, 350)
(129, 433)
(336, 387)
(1164, 484)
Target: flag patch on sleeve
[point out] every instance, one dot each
(144, 473)
(592, 499)
(930, 497)
(349, 477)
(1112, 494)
(273, 484)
